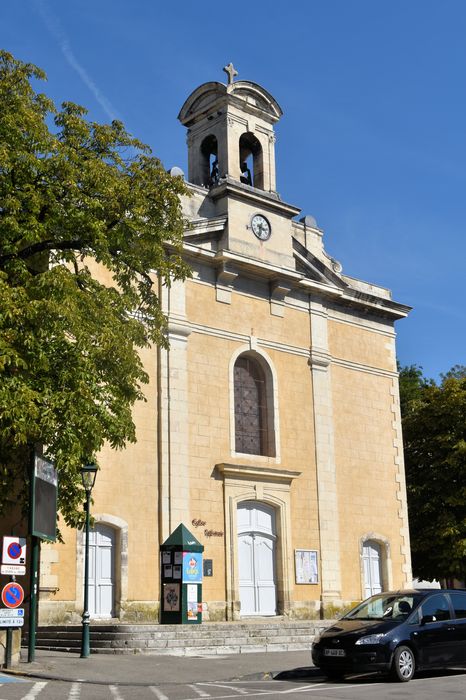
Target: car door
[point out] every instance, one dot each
(434, 637)
(458, 601)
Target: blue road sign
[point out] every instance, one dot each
(14, 550)
(12, 595)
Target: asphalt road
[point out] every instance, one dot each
(448, 685)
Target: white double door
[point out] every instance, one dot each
(371, 561)
(101, 571)
(256, 558)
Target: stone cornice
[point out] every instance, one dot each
(203, 226)
(347, 296)
(257, 473)
(257, 267)
(266, 200)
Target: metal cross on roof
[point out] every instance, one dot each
(231, 72)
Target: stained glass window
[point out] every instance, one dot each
(250, 407)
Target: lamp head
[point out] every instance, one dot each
(88, 475)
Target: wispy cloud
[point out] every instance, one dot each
(452, 311)
(56, 30)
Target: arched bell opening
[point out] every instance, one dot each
(251, 160)
(209, 161)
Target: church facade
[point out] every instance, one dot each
(271, 428)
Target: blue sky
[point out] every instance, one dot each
(373, 138)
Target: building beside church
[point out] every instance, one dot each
(272, 425)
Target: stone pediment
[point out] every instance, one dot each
(201, 100)
(315, 269)
(210, 96)
(255, 95)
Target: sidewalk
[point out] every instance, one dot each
(142, 669)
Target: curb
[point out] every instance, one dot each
(298, 673)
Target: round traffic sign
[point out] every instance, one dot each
(14, 550)
(12, 595)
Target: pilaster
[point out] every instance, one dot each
(174, 502)
(325, 454)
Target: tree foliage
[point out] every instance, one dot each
(434, 432)
(90, 223)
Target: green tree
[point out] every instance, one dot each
(90, 224)
(411, 382)
(434, 433)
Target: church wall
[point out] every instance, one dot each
(368, 454)
(355, 344)
(65, 565)
(208, 442)
(129, 490)
(125, 495)
(57, 580)
(247, 314)
(366, 469)
(209, 356)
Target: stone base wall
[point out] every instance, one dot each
(59, 612)
(15, 647)
(305, 610)
(215, 611)
(137, 612)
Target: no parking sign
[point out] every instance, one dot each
(12, 595)
(14, 550)
(14, 556)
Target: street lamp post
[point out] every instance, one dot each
(88, 474)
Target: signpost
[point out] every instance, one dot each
(42, 526)
(12, 596)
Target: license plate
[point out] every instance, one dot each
(334, 652)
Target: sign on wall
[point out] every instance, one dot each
(306, 565)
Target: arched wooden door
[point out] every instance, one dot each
(256, 558)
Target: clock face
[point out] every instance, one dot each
(261, 227)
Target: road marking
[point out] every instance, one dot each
(35, 690)
(75, 692)
(240, 691)
(199, 692)
(114, 691)
(334, 686)
(10, 679)
(253, 693)
(158, 692)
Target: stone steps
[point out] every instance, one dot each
(184, 640)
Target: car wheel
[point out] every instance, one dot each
(403, 665)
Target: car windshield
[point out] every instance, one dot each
(388, 606)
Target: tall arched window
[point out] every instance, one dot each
(252, 420)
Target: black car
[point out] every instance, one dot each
(399, 633)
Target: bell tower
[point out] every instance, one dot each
(231, 133)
